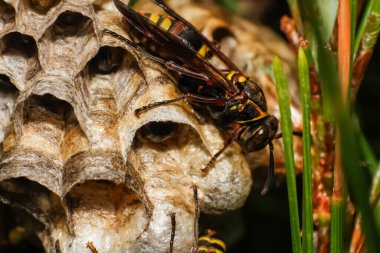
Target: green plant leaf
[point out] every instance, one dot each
(307, 206)
(287, 137)
(328, 10)
(369, 26)
(322, 16)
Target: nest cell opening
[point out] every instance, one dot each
(70, 24)
(8, 96)
(19, 44)
(18, 231)
(33, 197)
(113, 204)
(221, 33)
(158, 131)
(172, 144)
(7, 14)
(7, 86)
(48, 105)
(108, 60)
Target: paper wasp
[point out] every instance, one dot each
(236, 101)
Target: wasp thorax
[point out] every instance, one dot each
(255, 93)
(257, 136)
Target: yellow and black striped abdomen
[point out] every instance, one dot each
(180, 30)
(163, 21)
(211, 244)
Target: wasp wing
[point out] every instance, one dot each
(209, 44)
(181, 51)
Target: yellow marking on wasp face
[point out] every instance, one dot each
(230, 75)
(242, 79)
(203, 50)
(233, 108)
(213, 241)
(208, 250)
(166, 24)
(251, 120)
(154, 17)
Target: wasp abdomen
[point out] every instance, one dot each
(179, 29)
(211, 244)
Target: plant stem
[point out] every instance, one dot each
(338, 202)
(364, 44)
(307, 217)
(295, 11)
(287, 133)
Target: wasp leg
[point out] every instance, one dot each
(269, 180)
(172, 234)
(187, 97)
(186, 71)
(196, 218)
(226, 144)
(134, 45)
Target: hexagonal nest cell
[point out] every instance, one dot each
(75, 156)
(7, 15)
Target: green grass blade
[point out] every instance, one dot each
(367, 154)
(354, 13)
(322, 15)
(307, 207)
(358, 182)
(287, 133)
(371, 29)
(375, 197)
(369, 26)
(338, 211)
(320, 33)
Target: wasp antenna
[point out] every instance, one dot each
(269, 181)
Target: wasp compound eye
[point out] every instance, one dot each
(256, 137)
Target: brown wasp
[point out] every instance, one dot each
(235, 101)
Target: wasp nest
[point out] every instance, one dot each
(76, 157)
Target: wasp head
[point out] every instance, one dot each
(256, 136)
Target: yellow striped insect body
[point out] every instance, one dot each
(210, 243)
